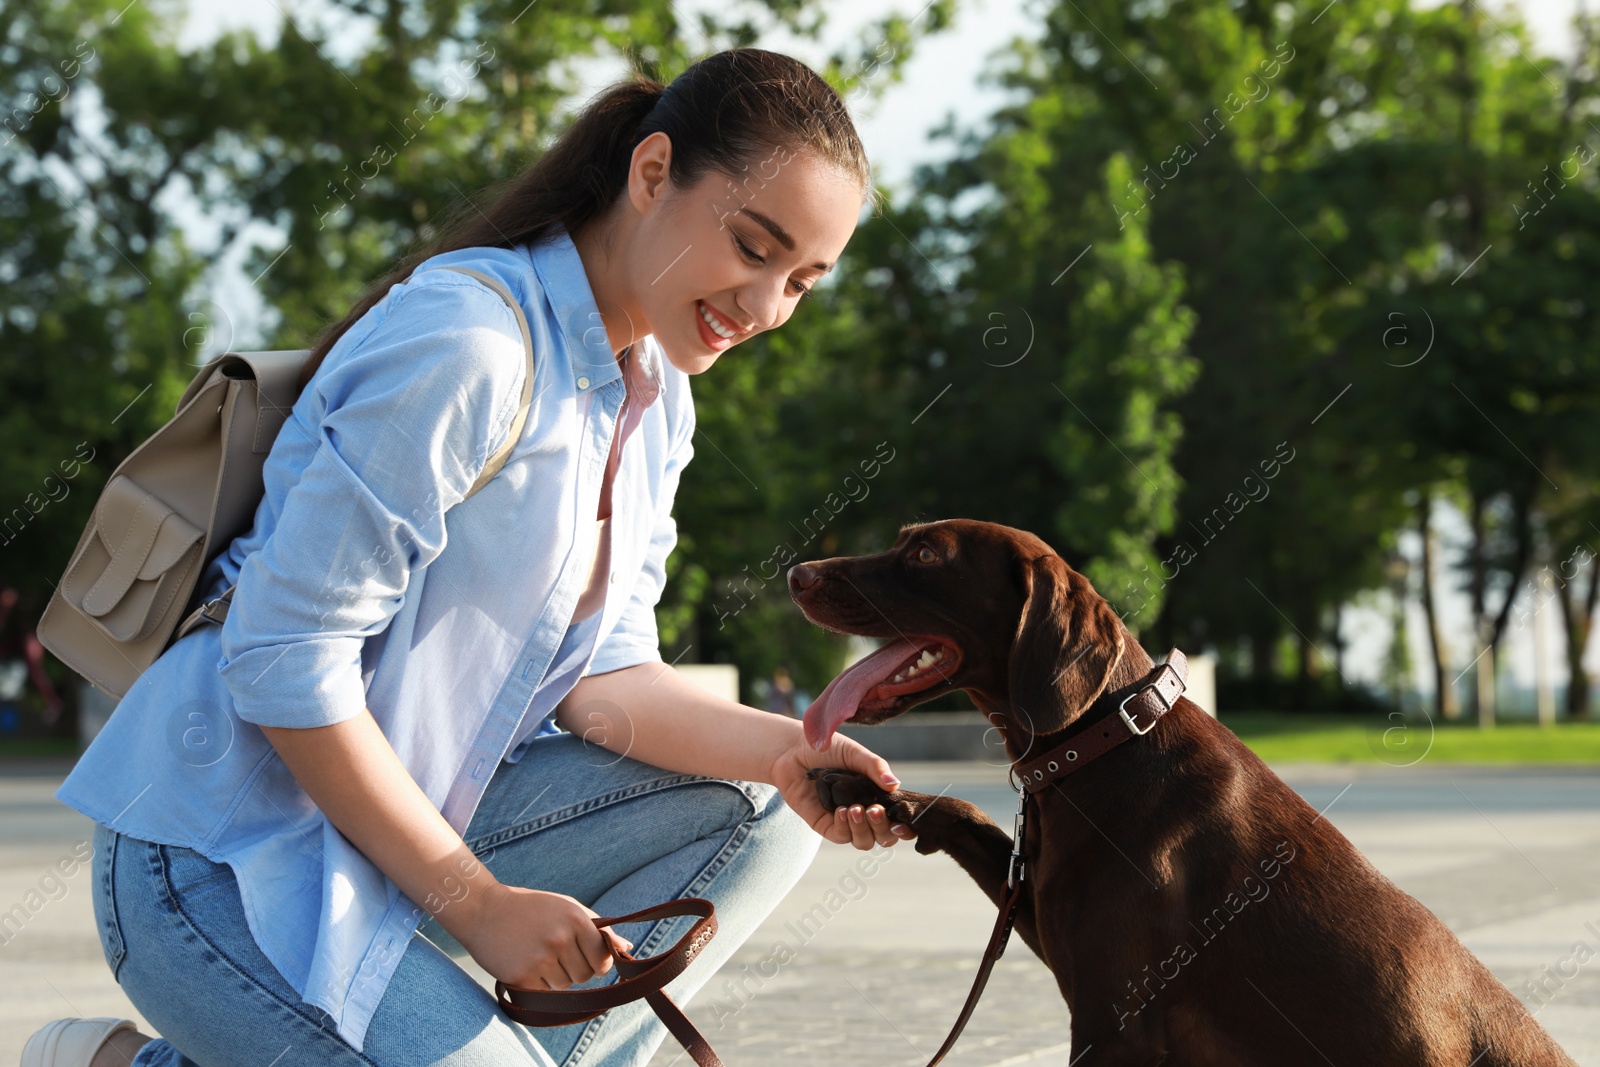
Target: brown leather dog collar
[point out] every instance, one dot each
(1136, 715)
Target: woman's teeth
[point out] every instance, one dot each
(711, 321)
(927, 659)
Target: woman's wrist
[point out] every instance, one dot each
(784, 735)
(464, 889)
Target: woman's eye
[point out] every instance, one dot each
(748, 253)
(926, 555)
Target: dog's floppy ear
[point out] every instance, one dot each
(1067, 644)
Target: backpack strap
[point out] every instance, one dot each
(216, 609)
(501, 454)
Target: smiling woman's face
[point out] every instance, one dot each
(743, 252)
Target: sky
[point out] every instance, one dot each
(944, 78)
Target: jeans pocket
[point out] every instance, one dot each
(192, 878)
(103, 870)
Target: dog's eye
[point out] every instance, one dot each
(927, 555)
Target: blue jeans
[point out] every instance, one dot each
(614, 833)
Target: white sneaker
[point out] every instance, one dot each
(71, 1042)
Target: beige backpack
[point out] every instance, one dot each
(179, 500)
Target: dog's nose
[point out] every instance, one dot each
(802, 576)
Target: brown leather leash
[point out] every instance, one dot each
(636, 978)
(1001, 932)
(645, 977)
(1149, 699)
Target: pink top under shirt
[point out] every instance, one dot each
(643, 383)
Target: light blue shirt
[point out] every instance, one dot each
(366, 581)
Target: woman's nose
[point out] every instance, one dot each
(763, 309)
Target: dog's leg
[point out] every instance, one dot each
(942, 824)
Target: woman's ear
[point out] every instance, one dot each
(1068, 641)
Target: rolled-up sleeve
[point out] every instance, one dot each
(634, 639)
(409, 418)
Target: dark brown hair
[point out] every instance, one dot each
(724, 113)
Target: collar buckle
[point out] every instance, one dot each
(1148, 687)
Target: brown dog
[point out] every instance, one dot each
(1195, 911)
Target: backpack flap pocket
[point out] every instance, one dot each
(127, 575)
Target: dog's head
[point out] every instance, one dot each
(965, 605)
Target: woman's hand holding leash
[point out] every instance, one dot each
(536, 940)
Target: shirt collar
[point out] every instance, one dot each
(644, 372)
(566, 285)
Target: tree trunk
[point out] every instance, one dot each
(1482, 639)
(1522, 524)
(1544, 694)
(1444, 692)
(1495, 627)
(1263, 643)
(1483, 684)
(1305, 669)
(1338, 641)
(1577, 617)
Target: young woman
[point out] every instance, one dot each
(434, 726)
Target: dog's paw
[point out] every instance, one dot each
(840, 789)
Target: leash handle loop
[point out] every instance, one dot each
(636, 978)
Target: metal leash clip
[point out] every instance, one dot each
(1015, 868)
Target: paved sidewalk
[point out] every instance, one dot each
(1509, 858)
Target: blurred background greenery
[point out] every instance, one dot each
(1230, 302)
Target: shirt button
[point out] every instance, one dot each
(613, 577)
(583, 383)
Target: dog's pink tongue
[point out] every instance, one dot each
(843, 695)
